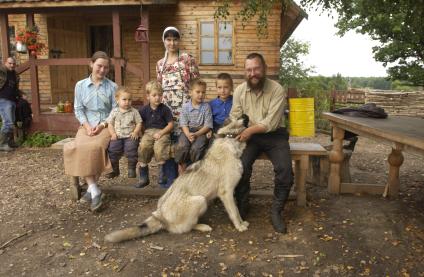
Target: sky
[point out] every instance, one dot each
(350, 55)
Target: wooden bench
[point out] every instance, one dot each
(300, 153)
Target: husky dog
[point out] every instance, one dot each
(216, 175)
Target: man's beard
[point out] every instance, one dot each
(258, 86)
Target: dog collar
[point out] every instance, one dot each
(226, 135)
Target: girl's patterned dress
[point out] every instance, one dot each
(175, 79)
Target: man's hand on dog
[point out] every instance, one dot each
(245, 135)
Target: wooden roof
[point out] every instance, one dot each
(290, 19)
(8, 4)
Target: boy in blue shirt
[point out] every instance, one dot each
(195, 122)
(221, 106)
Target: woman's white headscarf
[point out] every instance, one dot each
(168, 29)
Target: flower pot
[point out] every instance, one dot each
(21, 47)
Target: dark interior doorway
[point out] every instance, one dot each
(101, 39)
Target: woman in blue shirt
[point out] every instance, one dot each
(86, 156)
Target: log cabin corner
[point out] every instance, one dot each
(74, 30)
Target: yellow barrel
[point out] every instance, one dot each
(301, 117)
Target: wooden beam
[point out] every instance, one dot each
(22, 5)
(76, 11)
(33, 73)
(35, 97)
(56, 123)
(117, 49)
(4, 30)
(73, 61)
(361, 188)
(145, 55)
(134, 70)
(22, 67)
(129, 190)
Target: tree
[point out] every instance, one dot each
(293, 70)
(337, 82)
(397, 25)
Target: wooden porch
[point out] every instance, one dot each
(63, 123)
(69, 26)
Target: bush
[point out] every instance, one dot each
(39, 139)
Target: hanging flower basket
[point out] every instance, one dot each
(28, 40)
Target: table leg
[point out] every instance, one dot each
(336, 158)
(301, 170)
(395, 161)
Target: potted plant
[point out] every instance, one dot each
(28, 40)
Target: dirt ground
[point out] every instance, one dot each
(347, 235)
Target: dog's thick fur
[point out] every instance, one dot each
(216, 175)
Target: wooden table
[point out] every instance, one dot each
(402, 133)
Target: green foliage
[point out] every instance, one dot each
(250, 9)
(370, 82)
(39, 139)
(293, 71)
(319, 88)
(402, 86)
(397, 25)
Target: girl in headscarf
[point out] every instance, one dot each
(174, 72)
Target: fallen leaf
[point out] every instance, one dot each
(156, 247)
(326, 237)
(66, 244)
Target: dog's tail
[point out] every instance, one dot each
(148, 227)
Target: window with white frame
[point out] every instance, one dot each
(216, 42)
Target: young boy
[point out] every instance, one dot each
(124, 124)
(221, 106)
(156, 140)
(195, 122)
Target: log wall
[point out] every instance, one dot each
(398, 103)
(185, 16)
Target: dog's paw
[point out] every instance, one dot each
(202, 228)
(242, 227)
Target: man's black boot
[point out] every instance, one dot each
(11, 140)
(276, 212)
(276, 217)
(3, 143)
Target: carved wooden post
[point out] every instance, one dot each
(336, 158)
(145, 46)
(116, 24)
(33, 73)
(395, 160)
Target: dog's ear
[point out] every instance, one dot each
(245, 118)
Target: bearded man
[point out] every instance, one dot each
(263, 100)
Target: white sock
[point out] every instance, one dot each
(94, 190)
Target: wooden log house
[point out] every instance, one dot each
(74, 30)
